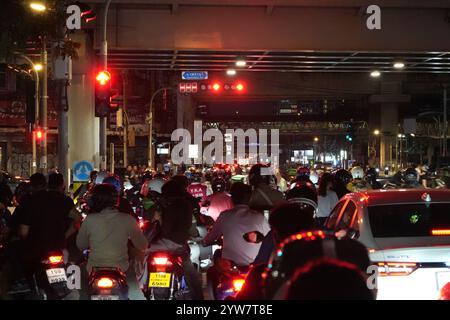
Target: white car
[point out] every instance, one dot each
(407, 233)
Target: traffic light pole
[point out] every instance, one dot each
(104, 63)
(44, 98)
(36, 112)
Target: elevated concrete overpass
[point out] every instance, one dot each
(318, 48)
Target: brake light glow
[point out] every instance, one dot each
(161, 261)
(55, 259)
(238, 284)
(440, 232)
(105, 283)
(141, 224)
(396, 268)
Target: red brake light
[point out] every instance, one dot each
(105, 283)
(440, 232)
(161, 261)
(55, 259)
(238, 284)
(396, 268)
(141, 224)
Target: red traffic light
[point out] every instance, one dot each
(103, 77)
(240, 87)
(216, 87)
(39, 134)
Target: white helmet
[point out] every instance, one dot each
(357, 172)
(314, 177)
(101, 176)
(156, 185)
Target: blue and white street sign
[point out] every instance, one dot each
(81, 170)
(194, 75)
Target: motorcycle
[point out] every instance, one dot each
(166, 279)
(48, 281)
(107, 284)
(226, 279)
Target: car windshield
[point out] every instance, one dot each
(408, 220)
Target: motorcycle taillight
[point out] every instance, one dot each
(161, 261)
(238, 283)
(55, 259)
(105, 283)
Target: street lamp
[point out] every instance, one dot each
(38, 6)
(376, 132)
(150, 126)
(38, 67)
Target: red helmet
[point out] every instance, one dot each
(303, 172)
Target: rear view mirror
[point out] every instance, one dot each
(254, 237)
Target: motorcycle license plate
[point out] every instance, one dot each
(159, 280)
(105, 297)
(56, 275)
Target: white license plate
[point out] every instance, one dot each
(105, 297)
(56, 275)
(442, 278)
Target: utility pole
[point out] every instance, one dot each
(36, 112)
(125, 118)
(44, 97)
(150, 127)
(104, 64)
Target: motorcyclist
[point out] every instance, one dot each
(196, 188)
(341, 179)
(328, 279)
(358, 183)
(106, 232)
(48, 220)
(175, 225)
(123, 205)
(219, 201)
(296, 251)
(285, 220)
(234, 223)
(264, 196)
(371, 178)
(411, 179)
(303, 175)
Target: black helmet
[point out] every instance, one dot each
(303, 193)
(255, 177)
(410, 175)
(218, 185)
(342, 177)
(103, 196)
(371, 174)
(303, 247)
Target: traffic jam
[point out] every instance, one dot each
(149, 150)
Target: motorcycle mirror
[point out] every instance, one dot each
(253, 237)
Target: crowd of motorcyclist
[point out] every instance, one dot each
(271, 226)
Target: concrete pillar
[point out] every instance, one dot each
(185, 112)
(389, 130)
(83, 125)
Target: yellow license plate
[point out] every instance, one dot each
(159, 280)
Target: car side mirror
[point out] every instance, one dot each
(253, 237)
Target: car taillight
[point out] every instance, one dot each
(440, 232)
(238, 284)
(105, 283)
(161, 261)
(396, 268)
(55, 259)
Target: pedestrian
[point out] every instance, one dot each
(326, 200)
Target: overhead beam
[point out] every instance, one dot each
(294, 28)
